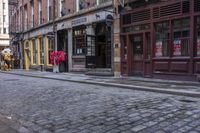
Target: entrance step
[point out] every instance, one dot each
(100, 72)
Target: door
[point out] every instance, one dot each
(62, 41)
(137, 55)
(90, 51)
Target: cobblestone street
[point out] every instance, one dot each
(51, 106)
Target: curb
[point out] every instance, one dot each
(133, 87)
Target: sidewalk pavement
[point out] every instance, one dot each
(188, 88)
(5, 127)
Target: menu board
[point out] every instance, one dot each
(158, 50)
(177, 48)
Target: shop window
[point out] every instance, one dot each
(79, 41)
(181, 37)
(50, 49)
(198, 36)
(162, 39)
(34, 51)
(41, 50)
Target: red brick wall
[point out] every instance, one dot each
(69, 5)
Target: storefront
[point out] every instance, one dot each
(161, 39)
(91, 42)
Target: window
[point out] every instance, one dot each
(62, 8)
(34, 51)
(81, 4)
(4, 6)
(4, 18)
(198, 36)
(79, 41)
(40, 11)
(41, 46)
(162, 39)
(181, 37)
(50, 11)
(25, 18)
(4, 30)
(32, 11)
(50, 49)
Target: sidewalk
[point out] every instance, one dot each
(5, 127)
(144, 84)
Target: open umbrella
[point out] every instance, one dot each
(6, 50)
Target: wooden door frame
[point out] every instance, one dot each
(131, 60)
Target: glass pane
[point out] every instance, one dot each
(162, 36)
(184, 48)
(165, 47)
(185, 33)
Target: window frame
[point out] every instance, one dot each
(182, 28)
(197, 36)
(79, 38)
(160, 42)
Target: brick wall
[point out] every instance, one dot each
(70, 6)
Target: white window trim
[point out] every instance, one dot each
(77, 5)
(98, 1)
(48, 10)
(40, 8)
(32, 12)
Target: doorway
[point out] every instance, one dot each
(103, 46)
(137, 55)
(62, 43)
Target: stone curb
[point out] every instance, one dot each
(133, 87)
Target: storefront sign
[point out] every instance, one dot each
(79, 21)
(158, 51)
(177, 47)
(198, 46)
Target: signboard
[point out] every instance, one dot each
(198, 46)
(109, 20)
(158, 50)
(177, 47)
(79, 21)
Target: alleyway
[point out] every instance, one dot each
(51, 106)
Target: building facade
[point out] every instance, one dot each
(160, 38)
(4, 23)
(81, 28)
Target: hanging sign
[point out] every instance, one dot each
(198, 46)
(177, 47)
(158, 51)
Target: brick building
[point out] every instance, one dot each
(78, 27)
(4, 20)
(159, 38)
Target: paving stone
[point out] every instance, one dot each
(138, 128)
(49, 106)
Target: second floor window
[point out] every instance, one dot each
(4, 6)
(40, 11)
(50, 9)
(32, 13)
(62, 8)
